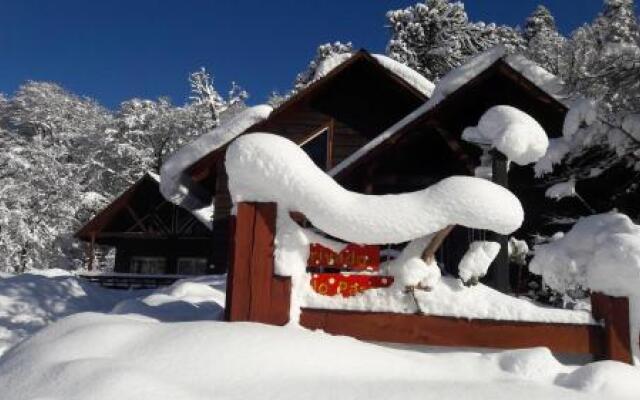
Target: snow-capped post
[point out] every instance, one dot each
(512, 135)
(500, 273)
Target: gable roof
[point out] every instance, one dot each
(197, 162)
(455, 91)
(145, 190)
(394, 70)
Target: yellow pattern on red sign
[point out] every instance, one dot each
(353, 257)
(347, 285)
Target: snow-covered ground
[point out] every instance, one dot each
(136, 352)
(31, 301)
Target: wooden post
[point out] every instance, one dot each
(499, 271)
(614, 312)
(91, 251)
(429, 253)
(253, 292)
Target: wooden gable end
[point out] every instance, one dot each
(141, 212)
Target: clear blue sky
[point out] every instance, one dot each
(114, 50)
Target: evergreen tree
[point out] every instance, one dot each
(543, 41)
(436, 36)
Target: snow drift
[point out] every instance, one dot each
(268, 168)
(100, 357)
(601, 253)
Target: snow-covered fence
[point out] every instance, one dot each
(255, 293)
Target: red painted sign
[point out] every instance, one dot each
(347, 285)
(353, 257)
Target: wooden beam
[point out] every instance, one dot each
(448, 331)
(136, 219)
(92, 245)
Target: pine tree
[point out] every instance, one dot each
(543, 41)
(436, 36)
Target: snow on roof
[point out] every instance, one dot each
(407, 74)
(453, 81)
(175, 185)
(266, 167)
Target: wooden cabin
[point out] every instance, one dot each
(151, 235)
(331, 119)
(428, 147)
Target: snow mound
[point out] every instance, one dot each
(477, 259)
(175, 186)
(417, 272)
(513, 132)
(535, 363)
(601, 252)
(106, 357)
(610, 377)
(268, 168)
(185, 300)
(31, 301)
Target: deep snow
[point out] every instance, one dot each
(97, 356)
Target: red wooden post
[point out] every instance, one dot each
(238, 278)
(253, 292)
(614, 311)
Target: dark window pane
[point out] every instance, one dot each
(316, 148)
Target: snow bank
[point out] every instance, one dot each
(93, 356)
(265, 167)
(476, 261)
(30, 301)
(175, 186)
(407, 74)
(601, 253)
(513, 132)
(197, 299)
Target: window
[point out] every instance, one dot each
(192, 266)
(148, 265)
(318, 149)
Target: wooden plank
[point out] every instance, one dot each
(261, 271)
(238, 298)
(447, 331)
(614, 311)
(280, 300)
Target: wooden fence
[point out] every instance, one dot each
(255, 294)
